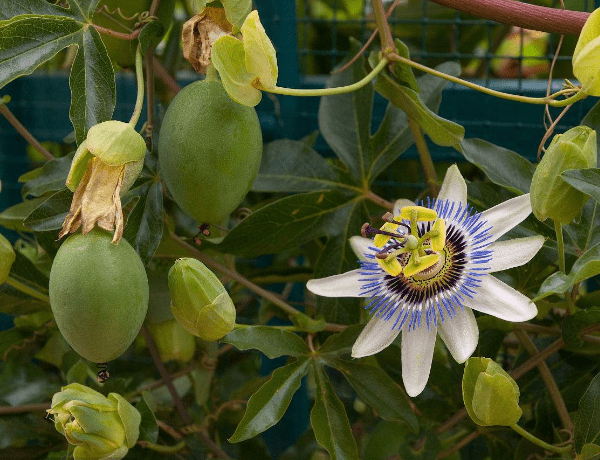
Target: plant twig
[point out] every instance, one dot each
(163, 75)
(270, 296)
(22, 130)
(549, 381)
(162, 448)
(459, 445)
(522, 15)
(368, 42)
(385, 34)
(113, 33)
(425, 157)
(176, 399)
(24, 408)
(379, 200)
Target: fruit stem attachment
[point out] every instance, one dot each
(544, 445)
(328, 91)
(549, 100)
(139, 102)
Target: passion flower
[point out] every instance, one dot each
(427, 268)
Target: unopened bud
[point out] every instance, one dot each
(551, 196)
(172, 341)
(200, 302)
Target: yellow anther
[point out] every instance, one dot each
(417, 265)
(381, 240)
(391, 266)
(438, 241)
(422, 214)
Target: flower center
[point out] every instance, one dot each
(430, 271)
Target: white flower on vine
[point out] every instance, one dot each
(425, 271)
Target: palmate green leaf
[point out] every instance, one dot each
(33, 31)
(271, 341)
(403, 73)
(292, 220)
(49, 178)
(148, 425)
(574, 325)
(587, 266)
(393, 136)
(590, 452)
(338, 257)
(345, 119)
(329, 420)
(51, 214)
(441, 131)
(151, 30)
(294, 166)
(92, 82)
(584, 180)
(340, 344)
(237, 10)
(144, 228)
(502, 166)
(14, 302)
(12, 218)
(26, 272)
(270, 402)
(377, 389)
(587, 420)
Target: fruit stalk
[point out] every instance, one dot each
(139, 102)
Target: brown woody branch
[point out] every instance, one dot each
(522, 14)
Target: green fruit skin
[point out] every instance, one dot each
(123, 51)
(209, 150)
(98, 294)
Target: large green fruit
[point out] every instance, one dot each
(98, 294)
(209, 150)
(123, 51)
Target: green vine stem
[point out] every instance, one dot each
(544, 445)
(549, 100)
(561, 263)
(27, 290)
(161, 448)
(328, 91)
(139, 102)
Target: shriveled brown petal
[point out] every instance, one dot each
(199, 33)
(97, 201)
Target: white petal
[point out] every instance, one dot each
(399, 204)
(376, 335)
(507, 215)
(454, 187)
(360, 246)
(460, 334)
(514, 253)
(500, 300)
(417, 353)
(344, 285)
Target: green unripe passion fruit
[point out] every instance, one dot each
(98, 294)
(123, 51)
(209, 150)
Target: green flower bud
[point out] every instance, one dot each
(172, 341)
(551, 196)
(587, 54)
(100, 427)
(200, 302)
(7, 257)
(491, 396)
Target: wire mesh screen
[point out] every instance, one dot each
(434, 34)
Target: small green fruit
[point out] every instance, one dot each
(172, 341)
(123, 51)
(98, 294)
(200, 302)
(209, 149)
